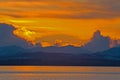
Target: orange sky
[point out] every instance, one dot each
(61, 21)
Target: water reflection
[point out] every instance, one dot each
(58, 73)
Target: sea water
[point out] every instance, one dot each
(59, 73)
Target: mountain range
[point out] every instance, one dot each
(13, 55)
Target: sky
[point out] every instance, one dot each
(67, 22)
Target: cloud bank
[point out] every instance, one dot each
(98, 43)
(75, 9)
(7, 38)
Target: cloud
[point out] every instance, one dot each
(60, 40)
(74, 9)
(115, 43)
(7, 38)
(98, 43)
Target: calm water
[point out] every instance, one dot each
(58, 73)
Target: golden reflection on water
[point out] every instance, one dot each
(59, 73)
(59, 69)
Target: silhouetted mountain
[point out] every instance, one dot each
(65, 49)
(113, 53)
(11, 50)
(13, 55)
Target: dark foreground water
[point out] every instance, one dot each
(58, 73)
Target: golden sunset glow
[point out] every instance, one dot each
(69, 22)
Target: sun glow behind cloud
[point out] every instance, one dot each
(74, 21)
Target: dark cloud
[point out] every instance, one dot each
(7, 38)
(98, 43)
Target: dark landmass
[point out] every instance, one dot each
(13, 55)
